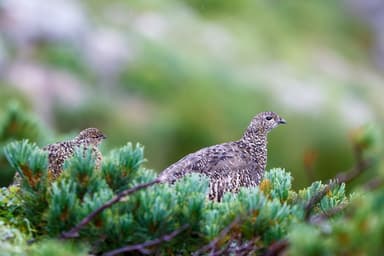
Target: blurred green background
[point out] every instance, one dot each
(177, 76)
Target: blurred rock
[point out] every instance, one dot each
(151, 25)
(107, 51)
(218, 40)
(372, 11)
(355, 112)
(3, 57)
(297, 93)
(45, 87)
(28, 21)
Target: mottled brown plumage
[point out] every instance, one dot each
(231, 165)
(60, 151)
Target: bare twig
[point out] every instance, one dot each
(358, 169)
(74, 232)
(222, 251)
(317, 198)
(246, 248)
(373, 184)
(240, 249)
(277, 248)
(213, 244)
(143, 246)
(316, 219)
(344, 177)
(360, 166)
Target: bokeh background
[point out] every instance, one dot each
(180, 75)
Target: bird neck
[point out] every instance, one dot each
(255, 142)
(258, 136)
(85, 142)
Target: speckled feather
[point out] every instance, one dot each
(60, 151)
(231, 165)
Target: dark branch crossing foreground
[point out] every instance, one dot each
(143, 247)
(230, 165)
(74, 232)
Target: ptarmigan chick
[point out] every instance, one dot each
(231, 165)
(60, 151)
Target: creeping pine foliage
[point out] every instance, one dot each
(40, 210)
(15, 124)
(268, 212)
(122, 165)
(359, 232)
(31, 164)
(335, 196)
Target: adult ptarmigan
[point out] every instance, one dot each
(60, 151)
(230, 165)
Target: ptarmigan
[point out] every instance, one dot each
(230, 165)
(60, 151)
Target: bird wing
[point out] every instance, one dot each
(57, 153)
(213, 161)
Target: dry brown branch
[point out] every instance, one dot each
(143, 247)
(245, 248)
(327, 214)
(277, 248)
(343, 177)
(213, 244)
(317, 198)
(74, 232)
(228, 249)
(373, 184)
(357, 170)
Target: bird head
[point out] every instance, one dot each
(91, 135)
(265, 121)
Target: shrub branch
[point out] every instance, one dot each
(74, 232)
(343, 177)
(142, 248)
(213, 244)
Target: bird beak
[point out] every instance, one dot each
(282, 121)
(103, 137)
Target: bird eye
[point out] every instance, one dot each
(268, 118)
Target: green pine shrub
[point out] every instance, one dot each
(268, 212)
(16, 124)
(35, 215)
